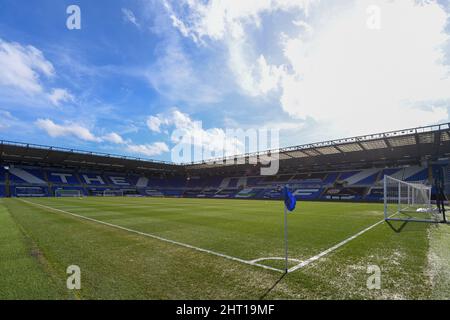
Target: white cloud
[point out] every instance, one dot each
(114, 138)
(255, 79)
(78, 131)
(331, 67)
(218, 19)
(149, 150)
(358, 80)
(23, 69)
(59, 95)
(6, 119)
(22, 66)
(68, 129)
(189, 132)
(154, 123)
(129, 16)
(228, 21)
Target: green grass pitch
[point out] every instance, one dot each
(214, 247)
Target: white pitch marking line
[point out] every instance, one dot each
(275, 258)
(333, 248)
(158, 237)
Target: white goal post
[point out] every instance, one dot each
(408, 201)
(113, 193)
(68, 193)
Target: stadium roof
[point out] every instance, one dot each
(38, 154)
(429, 142)
(416, 143)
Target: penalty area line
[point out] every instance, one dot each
(181, 244)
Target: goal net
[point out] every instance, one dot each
(67, 193)
(408, 201)
(113, 193)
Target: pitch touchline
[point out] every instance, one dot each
(157, 237)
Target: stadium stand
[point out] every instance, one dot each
(353, 173)
(60, 177)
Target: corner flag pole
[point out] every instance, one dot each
(289, 205)
(286, 239)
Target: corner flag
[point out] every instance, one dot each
(289, 205)
(289, 199)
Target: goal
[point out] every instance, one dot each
(408, 201)
(113, 193)
(67, 193)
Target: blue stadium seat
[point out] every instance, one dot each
(331, 178)
(18, 175)
(62, 177)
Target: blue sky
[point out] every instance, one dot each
(138, 70)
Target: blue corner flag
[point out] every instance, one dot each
(289, 199)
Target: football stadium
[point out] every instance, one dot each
(214, 158)
(215, 230)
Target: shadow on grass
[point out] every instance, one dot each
(394, 226)
(272, 287)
